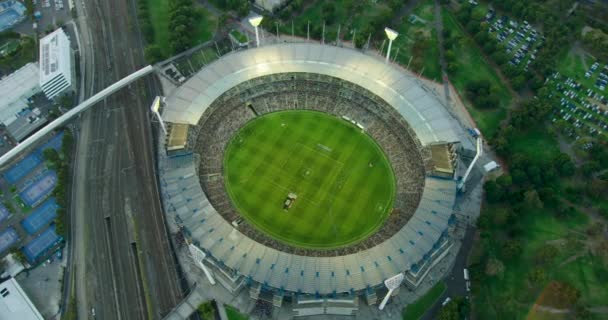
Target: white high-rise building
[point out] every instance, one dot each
(55, 63)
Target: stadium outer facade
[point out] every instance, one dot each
(315, 285)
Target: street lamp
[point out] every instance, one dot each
(391, 34)
(255, 22)
(154, 108)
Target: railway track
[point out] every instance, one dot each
(128, 269)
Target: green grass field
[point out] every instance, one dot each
(415, 310)
(343, 181)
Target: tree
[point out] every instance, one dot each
(29, 8)
(581, 312)
(51, 155)
(222, 20)
(456, 309)
(153, 53)
(206, 310)
(511, 249)
(449, 312)
(481, 93)
(564, 293)
(19, 255)
(564, 165)
(494, 192)
(495, 267)
(595, 229)
(532, 200)
(243, 9)
(546, 254)
(537, 277)
(328, 12)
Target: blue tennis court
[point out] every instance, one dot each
(41, 217)
(54, 143)
(40, 189)
(4, 213)
(41, 244)
(22, 168)
(8, 238)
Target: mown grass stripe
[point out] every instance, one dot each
(322, 158)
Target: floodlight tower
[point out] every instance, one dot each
(154, 108)
(255, 22)
(391, 284)
(391, 35)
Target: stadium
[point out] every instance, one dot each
(309, 174)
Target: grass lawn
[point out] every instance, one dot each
(343, 181)
(234, 314)
(471, 65)
(415, 310)
(423, 56)
(159, 15)
(537, 144)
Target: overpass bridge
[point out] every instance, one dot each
(62, 120)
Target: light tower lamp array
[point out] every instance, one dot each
(391, 34)
(255, 22)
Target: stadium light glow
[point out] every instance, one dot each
(255, 22)
(391, 35)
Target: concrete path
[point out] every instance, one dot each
(442, 61)
(222, 310)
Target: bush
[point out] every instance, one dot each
(481, 93)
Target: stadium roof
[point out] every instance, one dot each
(15, 89)
(15, 304)
(417, 104)
(186, 202)
(412, 245)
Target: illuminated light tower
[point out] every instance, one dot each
(391, 284)
(255, 22)
(391, 35)
(155, 107)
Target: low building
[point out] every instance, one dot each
(15, 304)
(11, 13)
(15, 90)
(55, 64)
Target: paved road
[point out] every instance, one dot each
(455, 280)
(123, 263)
(442, 61)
